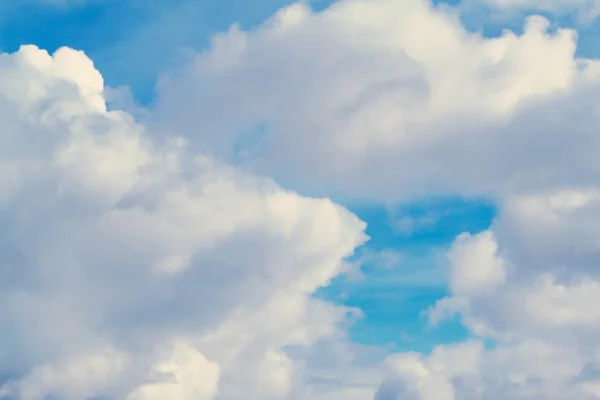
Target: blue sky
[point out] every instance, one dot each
(402, 270)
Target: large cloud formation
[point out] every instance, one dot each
(387, 100)
(394, 93)
(153, 262)
(133, 269)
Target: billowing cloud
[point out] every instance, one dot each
(394, 93)
(387, 100)
(152, 261)
(136, 270)
(528, 286)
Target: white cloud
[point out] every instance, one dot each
(541, 315)
(530, 370)
(123, 252)
(79, 377)
(192, 377)
(391, 99)
(475, 266)
(395, 93)
(132, 269)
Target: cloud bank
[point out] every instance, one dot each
(395, 92)
(157, 260)
(135, 270)
(389, 100)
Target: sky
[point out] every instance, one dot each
(315, 200)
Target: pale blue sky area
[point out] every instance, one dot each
(404, 270)
(132, 41)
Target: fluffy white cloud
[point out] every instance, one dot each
(193, 377)
(546, 253)
(395, 92)
(133, 269)
(391, 99)
(541, 315)
(475, 267)
(532, 370)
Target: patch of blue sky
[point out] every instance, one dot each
(251, 144)
(402, 271)
(425, 222)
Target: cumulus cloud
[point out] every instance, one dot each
(387, 100)
(378, 113)
(135, 269)
(540, 316)
(152, 261)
